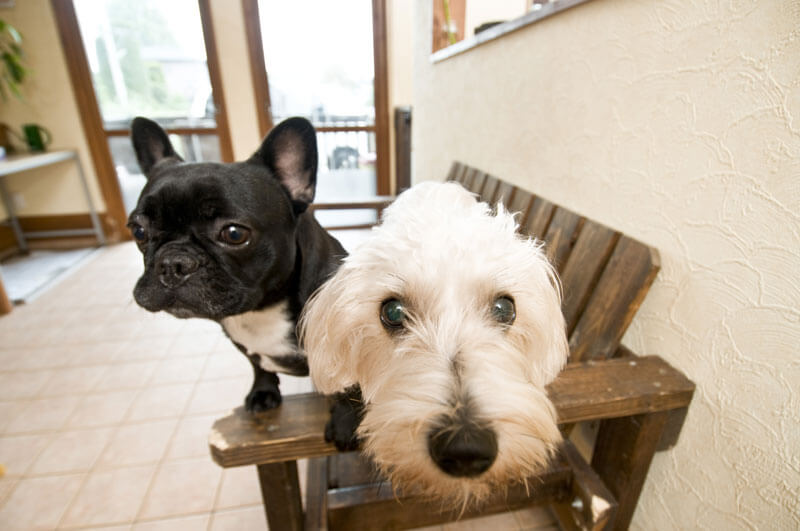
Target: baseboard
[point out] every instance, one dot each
(8, 243)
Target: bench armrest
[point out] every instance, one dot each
(612, 388)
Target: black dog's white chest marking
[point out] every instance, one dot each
(264, 332)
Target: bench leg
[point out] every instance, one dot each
(280, 490)
(622, 455)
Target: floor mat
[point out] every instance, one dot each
(25, 277)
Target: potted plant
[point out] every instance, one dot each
(12, 71)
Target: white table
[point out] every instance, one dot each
(19, 163)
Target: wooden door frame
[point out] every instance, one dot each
(259, 74)
(96, 136)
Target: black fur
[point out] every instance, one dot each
(191, 271)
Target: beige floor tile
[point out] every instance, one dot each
(8, 412)
(17, 453)
(71, 451)
(191, 437)
(250, 518)
(161, 402)
(95, 353)
(31, 358)
(47, 414)
(534, 518)
(227, 365)
(72, 381)
(178, 370)
(239, 488)
(218, 396)
(181, 523)
(498, 522)
(198, 343)
(109, 497)
(26, 338)
(102, 409)
(22, 385)
(118, 376)
(182, 488)
(136, 444)
(137, 349)
(7, 484)
(161, 324)
(80, 332)
(39, 503)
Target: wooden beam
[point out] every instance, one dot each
(89, 110)
(382, 120)
(215, 76)
(258, 70)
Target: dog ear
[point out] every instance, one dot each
(290, 153)
(151, 144)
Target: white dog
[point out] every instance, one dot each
(450, 323)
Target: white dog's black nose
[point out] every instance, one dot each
(174, 269)
(463, 452)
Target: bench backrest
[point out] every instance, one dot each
(605, 275)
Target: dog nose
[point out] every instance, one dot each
(466, 452)
(174, 269)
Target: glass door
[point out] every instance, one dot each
(149, 58)
(320, 64)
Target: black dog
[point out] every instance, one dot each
(235, 244)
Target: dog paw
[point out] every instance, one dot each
(346, 415)
(258, 400)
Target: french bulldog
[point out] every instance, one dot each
(235, 243)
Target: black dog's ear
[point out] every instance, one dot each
(290, 153)
(150, 143)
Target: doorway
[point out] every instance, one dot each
(326, 61)
(137, 61)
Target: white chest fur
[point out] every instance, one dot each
(264, 332)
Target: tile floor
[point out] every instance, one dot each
(105, 411)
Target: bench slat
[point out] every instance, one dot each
(489, 189)
(539, 217)
(614, 301)
(584, 391)
(453, 172)
(469, 176)
(561, 236)
(583, 268)
(478, 180)
(521, 201)
(504, 193)
(360, 507)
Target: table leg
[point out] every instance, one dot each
(98, 228)
(6, 197)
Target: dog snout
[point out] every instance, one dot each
(174, 269)
(463, 452)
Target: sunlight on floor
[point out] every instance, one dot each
(105, 411)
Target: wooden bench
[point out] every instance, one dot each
(638, 403)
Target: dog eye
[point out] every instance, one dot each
(235, 235)
(503, 310)
(393, 314)
(138, 232)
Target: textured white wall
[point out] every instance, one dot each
(677, 122)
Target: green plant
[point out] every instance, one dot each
(12, 71)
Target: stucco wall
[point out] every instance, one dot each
(677, 122)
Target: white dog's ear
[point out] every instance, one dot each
(328, 333)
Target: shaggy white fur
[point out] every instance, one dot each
(447, 258)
